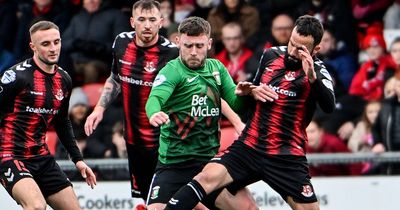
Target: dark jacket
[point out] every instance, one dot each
(382, 128)
(56, 13)
(90, 36)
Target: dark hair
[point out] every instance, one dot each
(307, 25)
(194, 26)
(42, 26)
(227, 16)
(146, 5)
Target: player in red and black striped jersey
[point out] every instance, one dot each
(279, 128)
(272, 146)
(137, 58)
(34, 95)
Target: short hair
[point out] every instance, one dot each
(42, 26)
(307, 25)
(194, 26)
(146, 5)
(234, 25)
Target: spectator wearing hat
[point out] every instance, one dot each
(78, 111)
(370, 79)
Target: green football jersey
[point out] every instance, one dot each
(192, 100)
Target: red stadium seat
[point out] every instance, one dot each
(93, 92)
(228, 135)
(51, 140)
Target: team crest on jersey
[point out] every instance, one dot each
(60, 95)
(290, 76)
(268, 69)
(8, 77)
(217, 77)
(154, 192)
(307, 191)
(149, 66)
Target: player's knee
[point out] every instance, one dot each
(207, 181)
(36, 205)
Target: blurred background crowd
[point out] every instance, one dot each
(360, 48)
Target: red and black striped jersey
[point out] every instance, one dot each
(30, 101)
(136, 67)
(278, 127)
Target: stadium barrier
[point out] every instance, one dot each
(312, 159)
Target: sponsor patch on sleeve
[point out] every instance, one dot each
(8, 77)
(326, 74)
(328, 84)
(159, 80)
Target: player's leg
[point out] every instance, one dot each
(27, 193)
(167, 180)
(142, 163)
(289, 176)
(18, 180)
(64, 200)
(302, 206)
(55, 185)
(217, 174)
(242, 200)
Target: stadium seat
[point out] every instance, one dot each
(51, 140)
(93, 92)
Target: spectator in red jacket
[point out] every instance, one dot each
(235, 55)
(321, 142)
(370, 79)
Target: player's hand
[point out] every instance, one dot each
(86, 173)
(239, 127)
(264, 93)
(159, 118)
(307, 63)
(244, 88)
(93, 120)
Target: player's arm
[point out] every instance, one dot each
(262, 92)
(232, 117)
(320, 80)
(11, 84)
(63, 127)
(323, 87)
(111, 90)
(163, 86)
(228, 89)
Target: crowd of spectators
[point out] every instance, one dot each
(364, 65)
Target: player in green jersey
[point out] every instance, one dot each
(186, 102)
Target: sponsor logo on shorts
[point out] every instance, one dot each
(154, 192)
(9, 175)
(307, 191)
